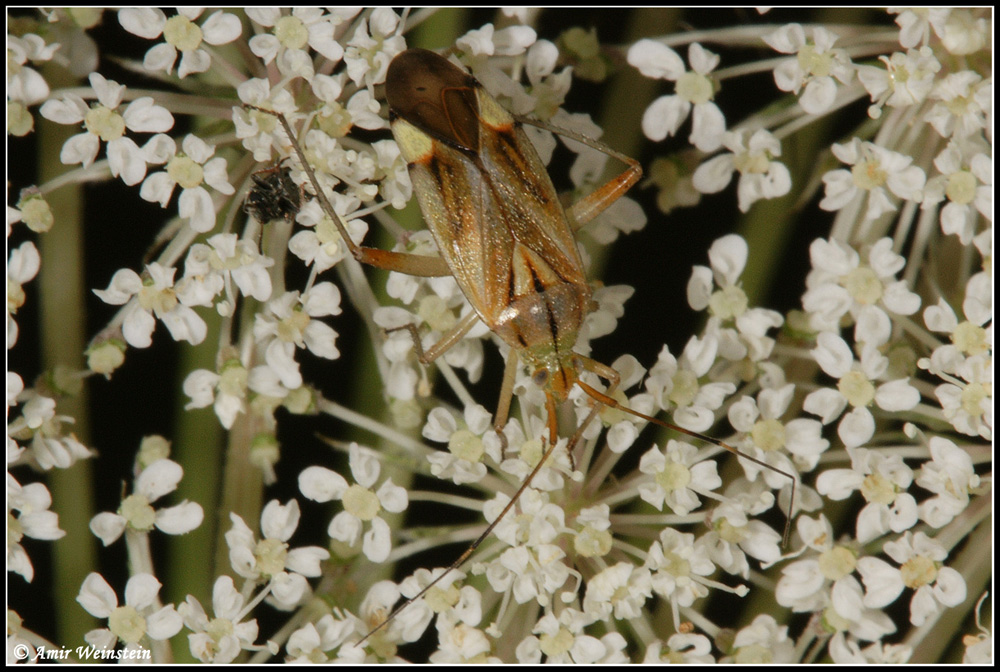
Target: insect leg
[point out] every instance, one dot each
(597, 201)
(450, 338)
(410, 264)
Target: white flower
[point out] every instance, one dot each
(915, 23)
(28, 515)
(321, 243)
(189, 169)
(468, 444)
(136, 511)
(733, 534)
(154, 295)
(621, 589)
(288, 322)
(25, 85)
(679, 565)
(856, 387)
(50, 444)
(461, 643)
(534, 567)
(844, 651)
(693, 88)
(362, 504)
(136, 619)
(487, 41)
(693, 649)
(764, 436)
(815, 67)
(840, 283)
(965, 108)
(22, 267)
(374, 44)
(291, 34)
(883, 481)
(966, 181)
(226, 390)
(822, 577)
(920, 559)
(718, 289)
(963, 33)
(180, 33)
(906, 80)
(751, 155)
(231, 260)
(104, 122)
(268, 559)
(446, 600)
(762, 642)
(874, 169)
(407, 626)
(949, 475)
(674, 384)
(677, 476)
(967, 402)
(562, 640)
(220, 639)
(311, 642)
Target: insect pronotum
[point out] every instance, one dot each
(504, 236)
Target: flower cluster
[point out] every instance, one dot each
(861, 417)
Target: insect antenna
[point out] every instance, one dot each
(604, 399)
(489, 528)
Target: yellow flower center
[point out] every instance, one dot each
(864, 285)
(271, 555)
(591, 543)
(435, 312)
(961, 187)
(973, 396)
(728, 303)
(751, 162)
(126, 623)
(361, 502)
(918, 571)
(137, 511)
(685, 388)
(182, 33)
(105, 123)
(813, 62)
(857, 389)
(675, 476)
(970, 338)
(695, 88)
(557, 644)
(837, 563)
(292, 327)
(869, 174)
(160, 301)
(878, 489)
(185, 172)
(291, 32)
(465, 445)
(768, 435)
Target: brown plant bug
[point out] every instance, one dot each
(504, 236)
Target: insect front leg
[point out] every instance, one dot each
(402, 262)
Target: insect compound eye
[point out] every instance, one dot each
(541, 377)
